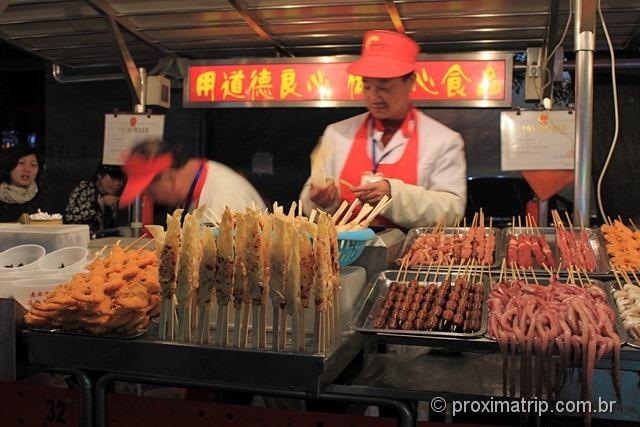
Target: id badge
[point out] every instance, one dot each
(369, 177)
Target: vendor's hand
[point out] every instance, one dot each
(111, 201)
(324, 196)
(372, 192)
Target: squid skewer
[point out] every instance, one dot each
(187, 275)
(278, 277)
(321, 282)
(257, 282)
(224, 276)
(240, 288)
(294, 302)
(206, 286)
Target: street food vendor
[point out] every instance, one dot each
(173, 179)
(393, 149)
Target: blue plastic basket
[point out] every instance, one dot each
(352, 243)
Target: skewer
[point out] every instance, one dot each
(568, 219)
(283, 329)
(502, 270)
(132, 244)
(263, 326)
(579, 277)
(633, 225)
(275, 339)
(406, 270)
(535, 279)
(216, 218)
(255, 326)
(382, 205)
(347, 215)
(299, 207)
(246, 310)
(313, 214)
(366, 209)
(400, 270)
(145, 245)
(617, 278)
(341, 209)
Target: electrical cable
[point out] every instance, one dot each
(615, 112)
(548, 57)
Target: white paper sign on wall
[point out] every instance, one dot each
(123, 131)
(537, 140)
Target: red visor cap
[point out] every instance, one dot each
(385, 54)
(140, 172)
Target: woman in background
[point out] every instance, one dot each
(95, 202)
(19, 191)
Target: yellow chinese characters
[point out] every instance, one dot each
(426, 82)
(288, 83)
(454, 80)
(355, 85)
(233, 85)
(489, 85)
(260, 85)
(205, 84)
(319, 83)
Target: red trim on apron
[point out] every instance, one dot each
(359, 163)
(200, 184)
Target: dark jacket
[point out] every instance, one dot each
(10, 212)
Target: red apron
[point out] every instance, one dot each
(359, 163)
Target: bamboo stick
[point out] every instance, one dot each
(255, 326)
(246, 310)
(275, 339)
(263, 326)
(339, 212)
(283, 329)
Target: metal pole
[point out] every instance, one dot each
(584, 36)
(543, 213)
(139, 108)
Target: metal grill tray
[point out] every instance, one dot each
(624, 335)
(377, 291)
(549, 233)
(415, 232)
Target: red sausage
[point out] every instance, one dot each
(423, 314)
(418, 324)
(411, 316)
(415, 306)
(392, 324)
(418, 298)
(452, 305)
(436, 311)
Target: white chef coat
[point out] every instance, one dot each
(225, 187)
(442, 172)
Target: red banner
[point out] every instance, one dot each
(485, 82)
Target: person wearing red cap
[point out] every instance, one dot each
(394, 149)
(173, 179)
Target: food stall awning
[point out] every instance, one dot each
(75, 33)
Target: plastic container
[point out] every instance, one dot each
(352, 243)
(51, 237)
(23, 257)
(64, 260)
(24, 290)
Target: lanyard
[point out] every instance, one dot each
(196, 178)
(376, 163)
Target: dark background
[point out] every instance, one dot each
(69, 120)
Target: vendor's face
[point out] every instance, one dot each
(387, 99)
(25, 172)
(163, 189)
(110, 185)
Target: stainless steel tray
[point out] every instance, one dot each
(375, 295)
(415, 232)
(624, 335)
(549, 233)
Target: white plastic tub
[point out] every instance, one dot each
(51, 237)
(64, 260)
(27, 255)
